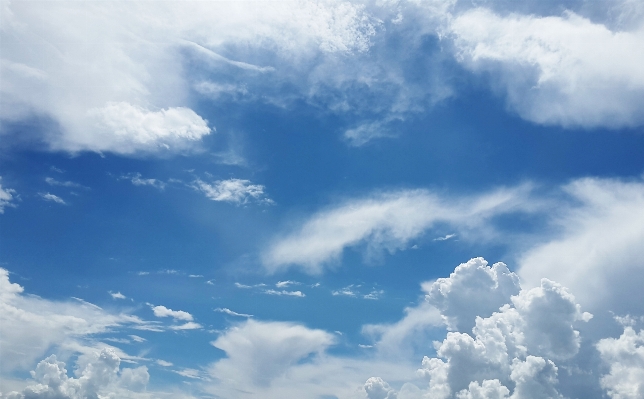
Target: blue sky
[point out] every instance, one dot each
(311, 199)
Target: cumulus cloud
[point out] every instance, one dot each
(376, 388)
(6, 197)
(191, 325)
(625, 358)
(557, 70)
(236, 191)
(162, 311)
(473, 289)
(100, 374)
(386, 222)
(52, 197)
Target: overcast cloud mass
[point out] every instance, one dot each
(322, 199)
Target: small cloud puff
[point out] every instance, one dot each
(53, 198)
(162, 311)
(117, 295)
(236, 191)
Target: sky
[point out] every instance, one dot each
(322, 199)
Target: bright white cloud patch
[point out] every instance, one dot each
(99, 376)
(625, 357)
(236, 191)
(232, 313)
(6, 197)
(510, 353)
(117, 295)
(473, 289)
(162, 311)
(115, 81)
(557, 70)
(53, 182)
(386, 222)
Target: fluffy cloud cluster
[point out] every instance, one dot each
(516, 338)
(625, 357)
(100, 377)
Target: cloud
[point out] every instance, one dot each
(625, 358)
(163, 363)
(53, 182)
(473, 289)
(445, 238)
(386, 221)
(510, 352)
(100, 374)
(366, 132)
(286, 283)
(162, 311)
(232, 313)
(117, 295)
(595, 245)
(53, 198)
(187, 326)
(376, 388)
(6, 197)
(346, 291)
(236, 191)
(30, 326)
(284, 292)
(258, 352)
(374, 295)
(129, 91)
(556, 70)
(137, 180)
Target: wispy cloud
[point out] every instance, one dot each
(236, 191)
(6, 197)
(117, 295)
(52, 198)
(53, 182)
(232, 313)
(284, 292)
(137, 180)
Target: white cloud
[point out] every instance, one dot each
(163, 363)
(162, 311)
(116, 81)
(473, 289)
(346, 291)
(376, 388)
(30, 326)
(366, 132)
(98, 376)
(445, 238)
(563, 70)
(260, 351)
(386, 222)
(237, 191)
(284, 292)
(52, 198)
(374, 294)
(137, 180)
(284, 284)
(6, 197)
(191, 325)
(232, 313)
(117, 295)
(136, 338)
(596, 246)
(625, 357)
